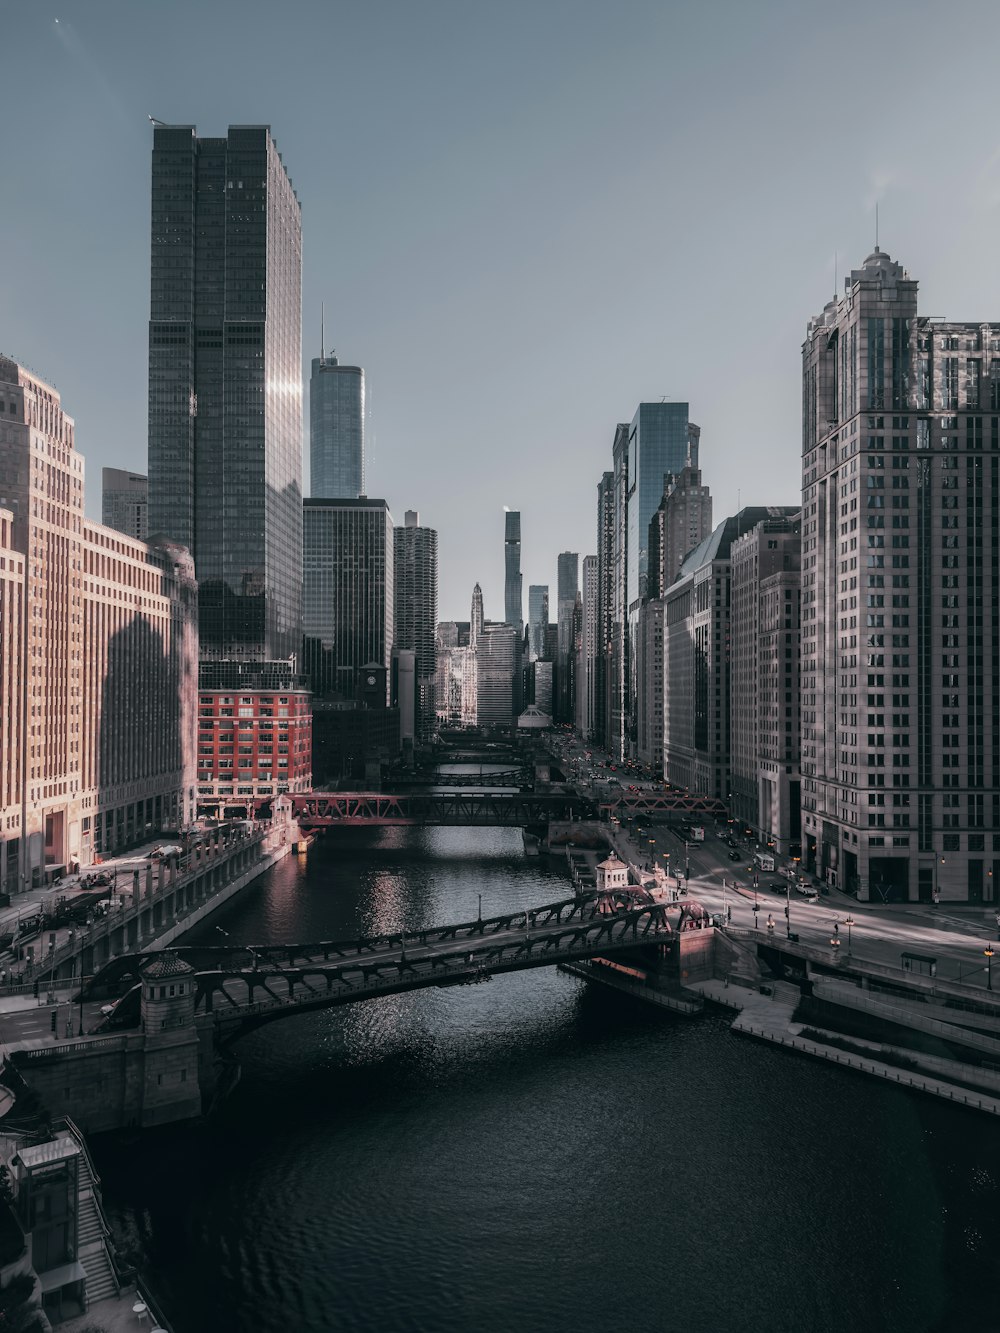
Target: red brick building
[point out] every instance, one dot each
(253, 742)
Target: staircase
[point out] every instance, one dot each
(92, 1249)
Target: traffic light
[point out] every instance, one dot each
(53, 1015)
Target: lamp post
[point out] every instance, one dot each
(687, 861)
(988, 951)
(848, 922)
(788, 913)
(835, 946)
(479, 913)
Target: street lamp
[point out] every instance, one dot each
(989, 967)
(848, 922)
(835, 945)
(788, 914)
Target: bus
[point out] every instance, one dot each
(696, 833)
(763, 861)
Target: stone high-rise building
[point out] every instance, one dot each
(415, 571)
(682, 519)
(586, 671)
(98, 676)
(900, 670)
(125, 502)
(225, 382)
(764, 682)
(568, 585)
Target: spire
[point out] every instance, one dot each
(322, 330)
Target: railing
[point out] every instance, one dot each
(87, 937)
(937, 1088)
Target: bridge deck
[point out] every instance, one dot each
(243, 987)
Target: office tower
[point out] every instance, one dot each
(586, 671)
(538, 618)
(124, 502)
(683, 518)
(568, 585)
(347, 591)
(97, 715)
(649, 684)
(696, 659)
(457, 682)
(225, 383)
(660, 440)
(415, 573)
(605, 606)
(497, 666)
(541, 686)
(13, 743)
(336, 430)
(900, 589)
(764, 682)
(513, 605)
(476, 619)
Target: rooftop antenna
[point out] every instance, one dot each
(322, 331)
(836, 272)
(876, 228)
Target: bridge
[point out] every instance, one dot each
(317, 810)
(242, 987)
(507, 777)
(667, 803)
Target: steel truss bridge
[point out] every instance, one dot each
(507, 777)
(239, 988)
(316, 810)
(667, 803)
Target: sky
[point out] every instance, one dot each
(523, 219)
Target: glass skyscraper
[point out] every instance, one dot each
(538, 618)
(513, 605)
(336, 430)
(225, 383)
(348, 577)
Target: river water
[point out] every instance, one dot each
(534, 1153)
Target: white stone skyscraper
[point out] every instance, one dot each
(900, 673)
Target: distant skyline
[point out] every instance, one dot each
(522, 221)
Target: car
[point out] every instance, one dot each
(778, 886)
(735, 856)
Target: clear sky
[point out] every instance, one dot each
(524, 218)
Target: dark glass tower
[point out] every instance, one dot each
(336, 430)
(225, 383)
(513, 605)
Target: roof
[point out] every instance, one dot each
(165, 964)
(612, 863)
(717, 544)
(56, 1150)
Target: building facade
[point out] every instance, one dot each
(99, 690)
(567, 587)
(683, 518)
(336, 430)
(348, 579)
(900, 589)
(604, 673)
(764, 682)
(225, 382)
(538, 619)
(254, 736)
(125, 502)
(498, 664)
(697, 659)
(415, 575)
(513, 603)
(586, 669)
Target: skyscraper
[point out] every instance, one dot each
(659, 441)
(336, 430)
(586, 673)
(476, 621)
(347, 591)
(415, 610)
(538, 618)
(568, 585)
(900, 672)
(125, 501)
(513, 605)
(225, 382)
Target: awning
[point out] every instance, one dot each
(56, 1278)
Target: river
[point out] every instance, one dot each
(534, 1153)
